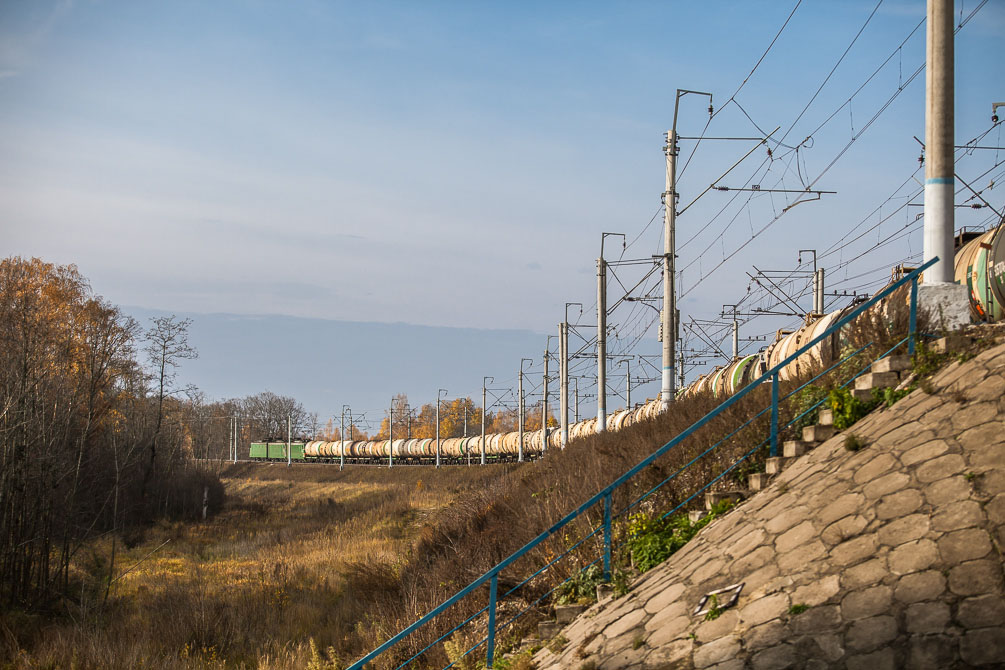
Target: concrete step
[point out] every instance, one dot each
(877, 380)
(712, 498)
(825, 417)
(604, 592)
(862, 394)
(818, 433)
(696, 515)
(954, 342)
(775, 464)
(796, 448)
(892, 364)
(758, 481)
(548, 629)
(565, 614)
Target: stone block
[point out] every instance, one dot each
(980, 611)
(975, 578)
(775, 464)
(862, 395)
(876, 380)
(869, 634)
(818, 433)
(696, 515)
(866, 603)
(931, 652)
(826, 417)
(984, 646)
(794, 448)
(723, 649)
(758, 481)
(904, 529)
(548, 629)
(925, 618)
(566, 613)
(964, 545)
(892, 364)
(713, 498)
(604, 592)
(955, 342)
(919, 586)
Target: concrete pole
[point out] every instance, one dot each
(438, 392)
(390, 435)
(601, 345)
(939, 160)
(544, 403)
(484, 379)
(680, 359)
(575, 413)
(232, 444)
(289, 440)
(736, 336)
(519, 413)
(669, 268)
(563, 348)
(341, 440)
(818, 291)
(628, 384)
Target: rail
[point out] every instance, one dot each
(605, 495)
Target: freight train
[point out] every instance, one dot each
(979, 265)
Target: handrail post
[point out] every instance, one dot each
(607, 537)
(491, 643)
(774, 414)
(913, 329)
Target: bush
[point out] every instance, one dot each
(847, 408)
(652, 540)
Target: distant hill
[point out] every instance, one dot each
(325, 364)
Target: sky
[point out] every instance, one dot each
(455, 164)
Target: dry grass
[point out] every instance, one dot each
(282, 578)
(308, 565)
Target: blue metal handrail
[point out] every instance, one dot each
(605, 494)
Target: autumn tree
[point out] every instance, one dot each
(76, 413)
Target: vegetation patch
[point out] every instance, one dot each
(653, 539)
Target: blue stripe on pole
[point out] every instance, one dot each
(941, 180)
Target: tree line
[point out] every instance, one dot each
(97, 437)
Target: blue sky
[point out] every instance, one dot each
(448, 163)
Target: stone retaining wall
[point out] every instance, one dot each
(888, 557)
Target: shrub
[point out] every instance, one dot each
(652, 540)
(847, 408)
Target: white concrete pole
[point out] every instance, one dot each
(939, 160)
(628, 384)
(575, 412)
(520, 412)
(289, 440)
(601, 345)
(669, 268)
(818, 291)
(563, 339)
(544, 403)
(484, 379)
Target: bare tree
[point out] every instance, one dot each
(167, 345)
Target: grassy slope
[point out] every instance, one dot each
(255, 586)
